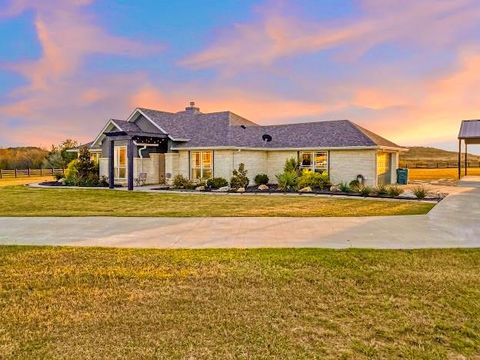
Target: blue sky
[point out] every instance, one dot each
(407, 70)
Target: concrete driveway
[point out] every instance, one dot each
(455, 222)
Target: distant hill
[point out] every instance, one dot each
(431, 154)
(22, 157)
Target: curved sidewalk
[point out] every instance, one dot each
(454, 222)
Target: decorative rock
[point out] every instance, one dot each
(334, 188)
(241, 190)
(224, 188)
(262, 187)
(305, 189)
(200, 188)
(408, 194)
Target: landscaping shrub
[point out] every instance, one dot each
(239, 178)
(355, 185)
(365, 190)
(291, 165)
(420, 192)
(394, 190)
(217, 183)
(83, 171)
(261, 179)
(313, 179)
(180, 182)
(381, 190)
(287, 181)
(344, 187)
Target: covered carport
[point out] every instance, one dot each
(470, 134)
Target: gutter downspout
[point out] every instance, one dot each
(144, 146)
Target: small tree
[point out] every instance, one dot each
(82, 171)
(59, 157)
(239, 178)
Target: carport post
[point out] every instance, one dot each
(466, 157)
(130, 149)
(111, 165)
(459, 158)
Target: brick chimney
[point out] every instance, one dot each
(192, 109)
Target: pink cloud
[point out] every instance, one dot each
(277, 34)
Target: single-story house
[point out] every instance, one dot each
(203, 145)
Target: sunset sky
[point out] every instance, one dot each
(409, 70)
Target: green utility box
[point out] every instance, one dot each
(402, 176)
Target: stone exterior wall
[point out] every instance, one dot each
(183, 163)
(276, 163)
(345, 165)
(223, 163)
(171, 166)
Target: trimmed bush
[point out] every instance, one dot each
(239, 178)
(365, 190)
(344, 187)
(180, 182)
(313, 179)
(420, 192)
(261, 179)
(355, 185)
(83, 171)
(381, 190)
(394, 190)
(217, 183)
(287, 181)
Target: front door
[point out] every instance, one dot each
(384, 168)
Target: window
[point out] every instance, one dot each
(120, 162)
(314, 161)
(94, 156)
(202, 162)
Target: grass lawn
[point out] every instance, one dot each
(225, 304)
(23, 180)
(435, 174)
(23, 201)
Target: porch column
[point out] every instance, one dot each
(130, 150)
(111, 165)
(466, 157)
(459, 158)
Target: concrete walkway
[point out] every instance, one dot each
(455, 222)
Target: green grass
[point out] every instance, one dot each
(247, 304)
(23, 201)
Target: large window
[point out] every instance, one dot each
(202, 164)
(120, 161)
(314, 161)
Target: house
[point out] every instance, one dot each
(203, 145)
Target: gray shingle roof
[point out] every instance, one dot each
(126, 126)
(224, 129)
(469, 129)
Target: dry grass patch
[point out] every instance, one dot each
(22, 201)
(210, 304)
(435, 174)
(9, 181)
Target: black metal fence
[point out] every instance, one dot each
(16, 173)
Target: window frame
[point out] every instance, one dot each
(201, 166)
(313, 160)
(117, 167)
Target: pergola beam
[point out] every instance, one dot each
(111, 165)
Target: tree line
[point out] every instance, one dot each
(34, 157)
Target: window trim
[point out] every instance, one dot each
(116, 162)
(201, 167)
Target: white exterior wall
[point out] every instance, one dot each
(255, 162)
(151, 166)
(345, 165)
(395, 162)
(103, 167)
(183, 164)
(171, 166)
(223, 164)
(276, 162)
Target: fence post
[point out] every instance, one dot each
(15, 172)
(41, 171)
(28, 171)
(0, 173)
(53, 171)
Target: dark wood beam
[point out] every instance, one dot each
(130, 151)
(111, 165)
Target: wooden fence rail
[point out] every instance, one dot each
(436, 164)
(16, 173)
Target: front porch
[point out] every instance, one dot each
(124, 167)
